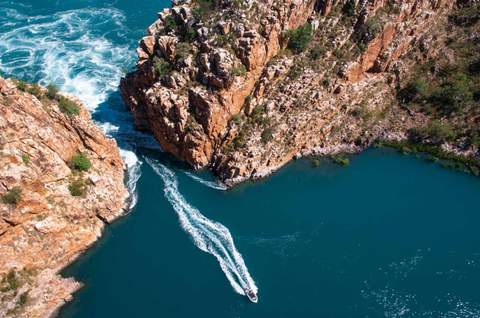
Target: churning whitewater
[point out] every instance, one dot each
(209, 236)
(70, 50)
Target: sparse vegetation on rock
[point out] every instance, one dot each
(12, 196)
(299, 39)
(80, 162)
(78, 187)
(68, 107)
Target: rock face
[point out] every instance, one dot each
(45, 227)
(217, 88)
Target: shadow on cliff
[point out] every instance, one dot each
(115, 119)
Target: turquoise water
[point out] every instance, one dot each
(388, 236)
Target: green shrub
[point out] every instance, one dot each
(240, 140)
(466, 16)
(77, 187)
(367, 32)
(26, 159)
(23, 299)
(453, 94)
(435, 133)
(13, 196)
(341, 160)
(80, 162)
(258, 116)
(21, 85)
(299, 38)
(161, 66)
(35, 90)
(52, 91)
(183, 50)
(349, 8)
(317, 52)
(295, 71)
(170, 23)
(203, 8)
(189, 34)
(240, 70)
(416, 89)
(11, 281)
(68, 107)
(267, 135)
(237, 119)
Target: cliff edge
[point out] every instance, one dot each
(61, 181)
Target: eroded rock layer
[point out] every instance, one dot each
(61, 181)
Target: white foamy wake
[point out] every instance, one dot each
(84, 52)
(209, 236)
(210, 184)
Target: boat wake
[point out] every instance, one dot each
(210, 184)
(209, 236)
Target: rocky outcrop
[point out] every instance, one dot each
(188, 109)
(218, 87)
(51, 209)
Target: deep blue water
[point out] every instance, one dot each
(389, 236)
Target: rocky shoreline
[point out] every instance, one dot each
(244, 87)
(61, 182)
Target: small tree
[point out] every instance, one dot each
(300, 38)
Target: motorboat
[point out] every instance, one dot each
(252, 296)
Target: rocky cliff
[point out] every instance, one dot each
(245, 86)
(61, 181)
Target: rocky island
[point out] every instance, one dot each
(61, 181)
(243, 87)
